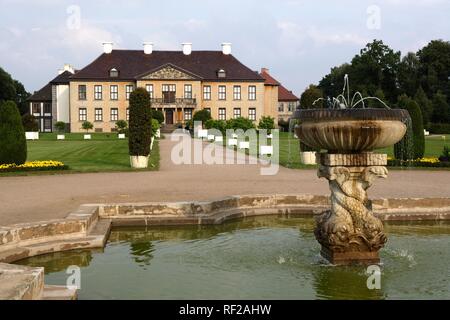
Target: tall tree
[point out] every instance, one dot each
(425, 105)
(332, 83)
(13, 90)
(408, 74)
(311, 94)
(441, 109)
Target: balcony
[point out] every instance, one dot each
(175, 102)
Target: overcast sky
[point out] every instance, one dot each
(299, 41)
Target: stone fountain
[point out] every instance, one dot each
(346, 137)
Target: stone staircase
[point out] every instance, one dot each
(168, 128)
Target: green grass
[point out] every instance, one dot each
(434, 145)
(105, 152)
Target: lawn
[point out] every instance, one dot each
(105, 152)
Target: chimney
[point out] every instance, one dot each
(187, 48)
(226, 48)
(264, 70)
(67, 67)
(148, 47)
(107, 47)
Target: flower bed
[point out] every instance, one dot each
(34, 166)
(424, 162)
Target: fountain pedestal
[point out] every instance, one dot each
(349, 233)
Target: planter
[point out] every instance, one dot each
(158, 133)
(121, 135)
(60, 137)
(87, 137)
(31, 135)
(308, 157)
(139, 162)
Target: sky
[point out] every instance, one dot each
(298, 41)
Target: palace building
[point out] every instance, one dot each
(179, 84)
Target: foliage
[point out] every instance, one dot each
(13, 146)
(86, 125)
(30, 123)
(267, 123)
(445, 156)
(13, 90)
(405, 102)
(202, 115)
(240, 123)
(311, 94)
(60, 126)
(220, 125)
(440, 128)
(424, 104)
(158, 115)
(284, 124)
(121, 126)
(155, 127)
(441, 109)
(140, 131)
(34, 166)
(424, 163)
(305, 147)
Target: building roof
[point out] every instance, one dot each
(62, 78)
(269, 80)
(286, 95)
(44, 94)
(132, 64)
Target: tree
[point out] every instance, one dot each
(239, 123)
(30, 123)
(267, 123)
(13, 90)
(202, 115)
(60, 126)
(332, 83)
(121, 126)
(408, 74)
(13, 146)
(418, 137)
(86, 125)
(140, 129)
(373, 103)
(155, 126)
(311, 94)
(441, 110)
(158, 115)
(425, 105)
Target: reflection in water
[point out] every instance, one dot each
(253, 258)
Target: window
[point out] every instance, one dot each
(47, 108)
(114, 114)
(98, 114)
(128, 114)
(221, 73)
(281, 107)
(82, 114)
(222, 93)
(48, 124)
(222, 114)
(236, 112)
(129, 90)
(188, 91)
(113, 73)
(149, 88)
(81, 92)
(252, 114)
(291, 106)
(237, 93)
(36, 108)
(98, 92)
(168, 91)
(188, 114)
(206, 92)
(114, 93)
(251, 92)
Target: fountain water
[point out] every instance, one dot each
(349, 232)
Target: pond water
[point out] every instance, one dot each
(253, 258)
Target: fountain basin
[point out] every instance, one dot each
(351, 130)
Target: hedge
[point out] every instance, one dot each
(13, 146)
(140, 126)
(439, 128)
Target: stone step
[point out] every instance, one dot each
(59, 293)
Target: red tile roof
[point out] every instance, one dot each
(133, 63)
(268, 78)
(286, 95)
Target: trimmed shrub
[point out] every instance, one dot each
(220, 125)
(60, 126)
(267, 123)
(202, 115)
(283, 124)
(86, 125)
(140, 129)
(155, 127)
(158, 115)
(121, 126)
(445, 156)
(13, 145)
(30, 123)
(240, 123)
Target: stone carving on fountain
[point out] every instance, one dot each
(345, 137)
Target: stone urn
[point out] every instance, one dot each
(349, 232)
(139, 162)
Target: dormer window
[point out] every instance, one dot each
(221, 73)
(113, 73)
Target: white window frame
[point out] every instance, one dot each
(114, 114)
(206, 92)
(128, 90)
(98, 92)
(222, 92)
(82, 114)
(188, 93)
(252, 114)
(252, 93)
(98, 114)
(114, 92)
(236, 113)
(222, 114)
(237, 92)
(149, 88)
(187, 114)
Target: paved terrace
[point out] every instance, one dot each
(36, 198)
